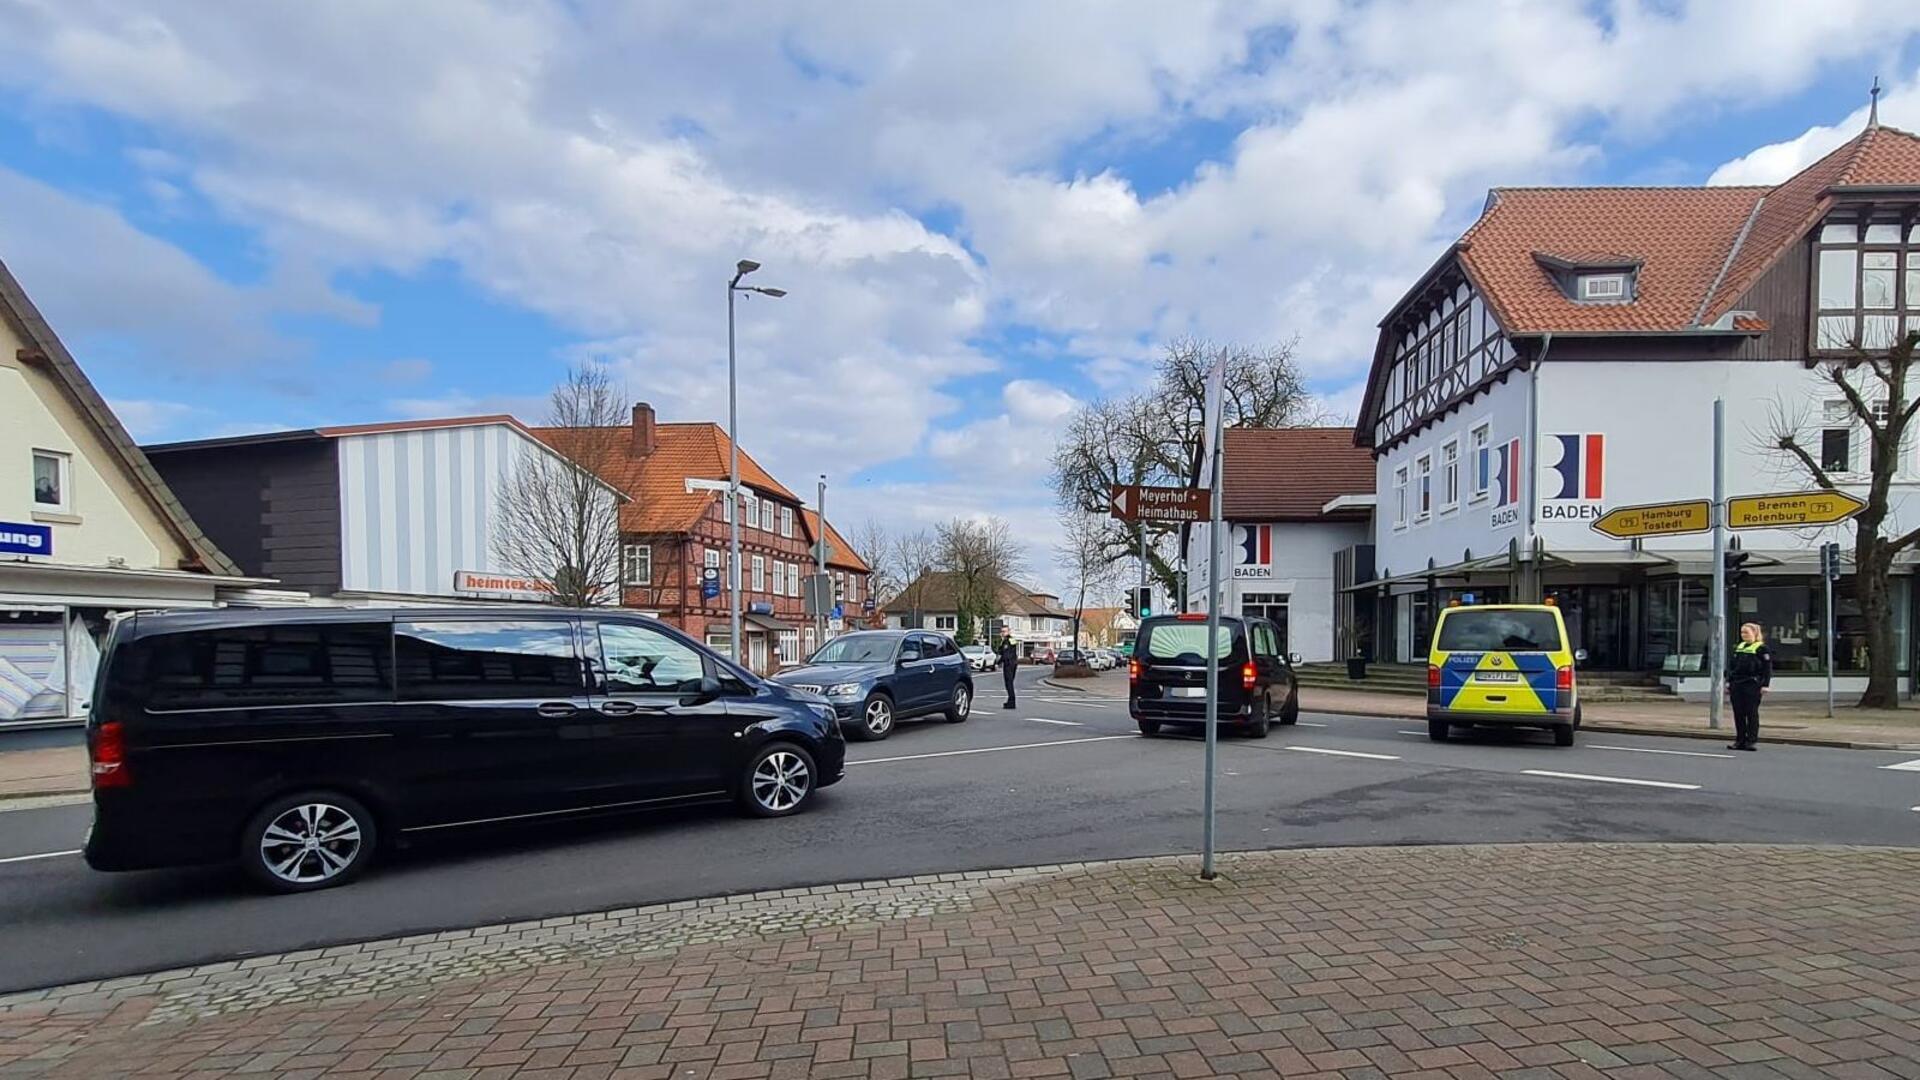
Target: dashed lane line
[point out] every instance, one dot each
(988, 750)
(1648, 750)
(41, 855)
(1340, 753)
(1062, 723)
(1905, 766)
(1610, 779)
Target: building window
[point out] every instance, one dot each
(1836, 446)
(948, 623)
(712, 558)
(636, 564)
(1867, 288)
(1400, 497)
(793, 586)
(1480, 460)
(1603, 288)
(52, 481)
(759, 573)
(789, 646)
(766, 515)
(1449, 475)
(786, 522)
(1423, 487)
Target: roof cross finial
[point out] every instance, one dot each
(1873, 109)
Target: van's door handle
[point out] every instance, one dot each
(619, 708)
(557, 710)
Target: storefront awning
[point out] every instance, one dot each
(766, 622)
(1490, 564)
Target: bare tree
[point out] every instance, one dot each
(874, 544)
(1874, 385)
(914, 555)
(558, 522)
(1156, 437)
(1082, 555)
(980, 557)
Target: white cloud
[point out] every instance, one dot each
(147, 420)
(1774, 162)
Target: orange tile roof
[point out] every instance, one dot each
(657, 483)
(844, 556)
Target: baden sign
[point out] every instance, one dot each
(1655, 519)
(1133, 502)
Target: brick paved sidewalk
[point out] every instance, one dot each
(1524, 961)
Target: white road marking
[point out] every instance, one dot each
(1063, 723)
(1905, 766)
(1645, 750)
(1340, 753)
(1076, 704)
(42, 855)
(1308, 723)
(1422, 734)
(990, 749)
(1610, 779)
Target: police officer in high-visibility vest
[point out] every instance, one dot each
(1749, 672)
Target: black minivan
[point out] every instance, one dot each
(297, 741)
(1167, 675)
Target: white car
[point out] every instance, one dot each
(980, 658)
(1101, 660)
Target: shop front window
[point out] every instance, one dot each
(33, 665)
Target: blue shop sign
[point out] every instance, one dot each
(19, 539)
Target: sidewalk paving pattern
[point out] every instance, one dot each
(1525, 961)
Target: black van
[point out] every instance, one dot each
(1167, 675)
(296, 741)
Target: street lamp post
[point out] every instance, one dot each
(741, 269)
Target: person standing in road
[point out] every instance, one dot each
(1009, 655)
(1749, 673)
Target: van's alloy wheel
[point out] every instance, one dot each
(778, 782)
(308, 841)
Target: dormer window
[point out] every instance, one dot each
(1867, 284)
(1602, 288)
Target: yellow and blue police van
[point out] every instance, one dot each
(1509, 665)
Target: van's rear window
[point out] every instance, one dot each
(276, 665)
(1186, 642)
(1490, 630)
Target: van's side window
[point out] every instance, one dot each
(639, 660)
(1263, 641)
(443, 660)
(265, 666)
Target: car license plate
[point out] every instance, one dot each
(1496, 676)
(1188, 691)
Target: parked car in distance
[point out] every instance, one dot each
(1072, 658)
(1101, 660)
(297, 742)
(1167, 676)
(980, 657)
(876, 678)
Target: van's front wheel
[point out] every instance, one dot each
(1438, 730)
(312, 840)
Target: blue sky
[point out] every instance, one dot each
(279, 216)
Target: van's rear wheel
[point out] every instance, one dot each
(1438, 730)
(1290, 712)
(1149, 728)
(312, 840)
(1563, 735)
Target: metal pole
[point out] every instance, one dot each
(1830, 569)
(1215, 557)
(820, 561)
(1717, 654)
(733, 494)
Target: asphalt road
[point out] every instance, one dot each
(1061, 779)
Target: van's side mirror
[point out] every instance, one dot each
(1579, 656)
(1293, 659)
(709, 691)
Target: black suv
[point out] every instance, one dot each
(876, 677)
(296, 741)
(1167, 676)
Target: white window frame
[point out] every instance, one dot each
(63, 475)
(1480, 439)
(766, 515)
(711, 557)
(787, 642)
(1400, 497)
(627, 552)
(1423, 487)
(759, 573)
(1450, 476)
(786, 522)
(1587, 291)
(793, 583)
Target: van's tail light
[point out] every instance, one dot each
(1433, 676)
(107, 750)
(1248, 673)
(1563, 680)
(1133, 671)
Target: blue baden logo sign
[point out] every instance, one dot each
(18, 539)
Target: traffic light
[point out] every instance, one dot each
(1830, 560)
(1143, 602)
(1736, 560)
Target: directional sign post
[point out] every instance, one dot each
(1133, 502)
(1791, 508)
(1655, 519)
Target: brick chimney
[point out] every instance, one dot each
(644, 439)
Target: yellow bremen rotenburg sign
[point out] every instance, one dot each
(1791, 508)
(1654, 519)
